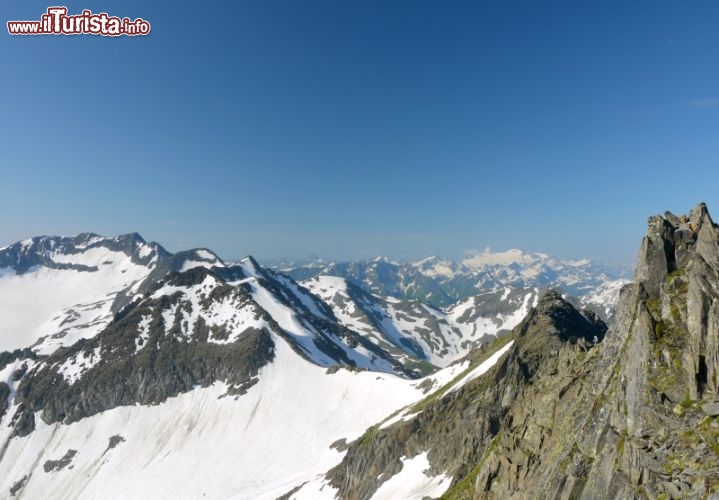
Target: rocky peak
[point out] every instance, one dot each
(672, 242)
(555, 316)
(43, 251)
(678, 278)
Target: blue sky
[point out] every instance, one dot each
(355, 128)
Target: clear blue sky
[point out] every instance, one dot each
(355, 128)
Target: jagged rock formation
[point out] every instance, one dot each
(633, 417)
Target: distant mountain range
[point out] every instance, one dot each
(443, 282)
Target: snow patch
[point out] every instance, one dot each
(73, 368)
(413, 481)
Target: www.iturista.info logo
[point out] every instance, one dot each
(56, 22)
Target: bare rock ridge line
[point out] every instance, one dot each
(570, 412)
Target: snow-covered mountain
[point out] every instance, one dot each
(141, 361)
(515, 268)
(208, 379)
(261, 442)
(63, 288)
(573, 409)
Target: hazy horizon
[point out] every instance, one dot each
(273, 260)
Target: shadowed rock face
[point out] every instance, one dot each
(633, 417)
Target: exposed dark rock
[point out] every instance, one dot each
(18, 485)
(7, 357)
(19, 373)
(23, 421)
(4, 395)
(455, 427)
(23, 256)
(58, 465)
(289, 494)
(340, 445)
(114, 441)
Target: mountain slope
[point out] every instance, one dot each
(193, 328)
(382, 277)
(644, 422)
(195, 351)
(236, 363)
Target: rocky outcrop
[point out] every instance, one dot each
(4, 395)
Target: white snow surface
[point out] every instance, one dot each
(205, 259)
(47, 301)
(261, 444)
(206, 254)
(513, 256)
(413, 482)
(73, 367)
